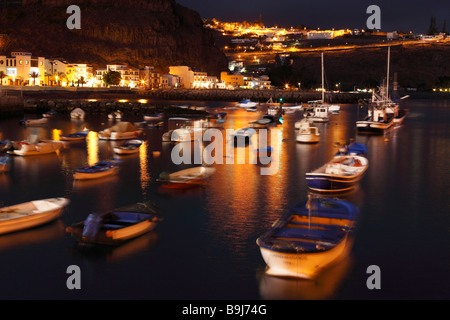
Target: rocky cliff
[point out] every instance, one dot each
(158, 33)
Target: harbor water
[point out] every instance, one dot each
(205, 246)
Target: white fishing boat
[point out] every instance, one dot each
(292, 109)
(308, 238)
(242, 135)
(77, 113)
(31, 214)
(246, 103)
(129, 147)
(307, 133)
(383, 113)
(24, 148)
(98, 170)
(34, 122)
(341, 173)
(120, 131)
(186, 178)
(334, 108)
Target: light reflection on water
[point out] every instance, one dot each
(205, 246)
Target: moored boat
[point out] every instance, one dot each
(243, 134)
(120, 131)
(307, 133)
(98, 170)
(23, 148)
(49, 114)
(129, 147)
(77, 113)
(308, 238)
(341, 173)
(260, 123)
(34, 122)
(117, 226)
(154, 117)
(30, 214)
(186, 178)
(246, 103)
(77, 136)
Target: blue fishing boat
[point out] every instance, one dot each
(309, 237)
(77, 136)
(98, 170)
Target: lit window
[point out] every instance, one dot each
(20, 61)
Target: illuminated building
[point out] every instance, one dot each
(185, 73)
(19, 67)
(149, 77)
(326, 34)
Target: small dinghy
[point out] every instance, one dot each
(261, 123)
(154, 117)
(242, 136)
(49, 114)
(77, 113)
(185, 178)
(77, 136)
(99, 170)
(117, 226)
(121, 131)
(129, 147)
(23, 148)
(30, 214)
(341, 173)
(34, 122)
(309, 237)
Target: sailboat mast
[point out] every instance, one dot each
(323, 86)
(387, 81)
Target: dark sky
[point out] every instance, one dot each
(399, 15)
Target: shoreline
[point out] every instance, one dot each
(42, 99)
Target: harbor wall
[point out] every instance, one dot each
(11, 106)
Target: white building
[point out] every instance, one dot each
(21, 68)
(170, 81)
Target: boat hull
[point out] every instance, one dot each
(301, 265)
(330, 183)
(94, 175)
(29, 220)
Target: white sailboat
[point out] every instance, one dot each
(319, 111)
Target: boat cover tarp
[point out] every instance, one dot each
(123, 127)
(78, 111)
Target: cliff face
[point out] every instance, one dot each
(158, 33)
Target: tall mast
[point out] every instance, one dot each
(323, 86)
(387, 81)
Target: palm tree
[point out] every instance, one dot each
(34, 75)
(81, 81)
(2, 75)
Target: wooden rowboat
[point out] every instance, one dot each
(185, 178)
(98, 170)
(30, 214)
(116, 226)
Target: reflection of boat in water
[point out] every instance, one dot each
(45, 233)
(186, 178)
(31, 214)
(339, 174)
(324, 286)
(98, 170)
(116, 226)
(129, 147)
(5, 164)
(120, 131)
(308, 237)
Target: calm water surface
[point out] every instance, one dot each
(205, 246)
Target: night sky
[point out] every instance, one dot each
(401, 15)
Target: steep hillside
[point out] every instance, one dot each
(137, 32)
